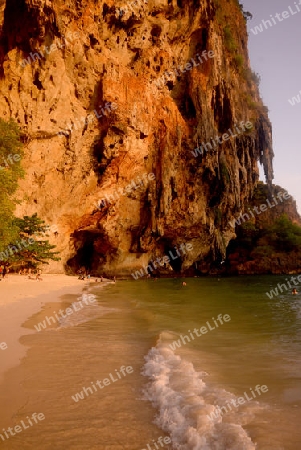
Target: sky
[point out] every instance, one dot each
(275, 56)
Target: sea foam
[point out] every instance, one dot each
(185, 405)
(84, 313)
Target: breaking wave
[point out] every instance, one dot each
(189, 409)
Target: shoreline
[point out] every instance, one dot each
(210, 276)
(20, 299)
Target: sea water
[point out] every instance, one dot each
(234, 385)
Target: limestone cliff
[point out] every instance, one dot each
(88, 84)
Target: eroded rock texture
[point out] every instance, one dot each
(113, 52)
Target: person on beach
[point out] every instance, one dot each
(81, 274)
(4, 272)
(294, 291)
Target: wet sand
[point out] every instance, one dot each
(20, 298)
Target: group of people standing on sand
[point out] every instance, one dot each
(84, 274)
(32, 274)
(35, 275)
(36, 278)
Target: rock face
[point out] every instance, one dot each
(87, 82)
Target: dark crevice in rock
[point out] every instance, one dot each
(27, 29)
(37, 82)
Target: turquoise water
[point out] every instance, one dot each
(188, 391)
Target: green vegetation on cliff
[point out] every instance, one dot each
(21, 240)
(282, 236)
(271, 240)
(11, 171)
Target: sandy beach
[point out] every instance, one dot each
(20, 298)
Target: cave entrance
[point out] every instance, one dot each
(85, 252)
(174, 259)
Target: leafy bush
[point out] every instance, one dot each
(285, 235)
(260, 194)
(250, 102)
(11, 153)
(229, 39)
(239, 61)
(263, 251)
(247, 234)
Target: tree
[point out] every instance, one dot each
(285, 235)
(31, 248)
(11, 153)
(247, 15)
(20, 239)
